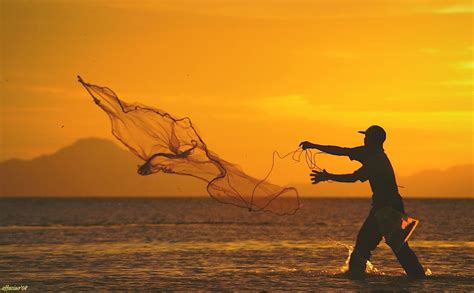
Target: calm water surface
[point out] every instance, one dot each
(189, 244)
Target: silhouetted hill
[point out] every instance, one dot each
(455, 181)
(98, 167)
(90, 167)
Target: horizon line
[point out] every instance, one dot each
(362, 197)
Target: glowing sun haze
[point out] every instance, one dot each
(253, 76)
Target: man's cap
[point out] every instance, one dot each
(376, 133)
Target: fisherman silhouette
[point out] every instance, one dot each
(376, 168)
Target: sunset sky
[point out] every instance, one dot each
(253, 75)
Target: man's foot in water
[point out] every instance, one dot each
(353, 275)
(418, 276)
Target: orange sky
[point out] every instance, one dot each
(254, 76)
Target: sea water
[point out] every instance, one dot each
(198, 244)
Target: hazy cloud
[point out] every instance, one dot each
(452, 9)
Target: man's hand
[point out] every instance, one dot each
(318, 176)
(145, 169)
(306, 145)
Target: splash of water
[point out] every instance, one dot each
(345, 267)
(370, 268)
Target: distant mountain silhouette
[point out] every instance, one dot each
(98, 167)
(455, 181)
(90, 167)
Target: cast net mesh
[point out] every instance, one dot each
(172, 145)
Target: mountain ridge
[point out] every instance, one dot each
(114, 174)
(66, 172)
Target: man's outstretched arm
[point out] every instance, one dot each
(329, 149)
(318, 176)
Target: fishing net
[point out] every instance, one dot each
(172, 145)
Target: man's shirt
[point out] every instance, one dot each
(376, 168)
